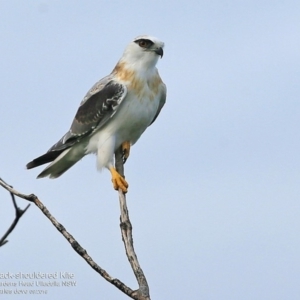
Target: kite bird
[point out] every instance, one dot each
(115, 112)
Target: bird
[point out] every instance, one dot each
(114, 113)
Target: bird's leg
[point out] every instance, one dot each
(118, 181)
(125, 151)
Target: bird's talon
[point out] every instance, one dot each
(118, 181)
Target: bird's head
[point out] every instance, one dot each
(144, 50)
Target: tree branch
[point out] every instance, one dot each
(19, 213)
(126, 229)
(73, 242)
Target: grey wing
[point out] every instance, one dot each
(97, 107)
(162, 101)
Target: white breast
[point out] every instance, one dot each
(133, 116)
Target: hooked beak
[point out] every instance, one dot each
(159, 51)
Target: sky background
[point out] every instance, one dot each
(214, 182)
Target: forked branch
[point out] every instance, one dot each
(18, 214)
(126, 228)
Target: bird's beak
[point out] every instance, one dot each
(159, 51)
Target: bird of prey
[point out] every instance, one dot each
(114, 113)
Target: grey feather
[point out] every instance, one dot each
(98, 106)
(161, 102)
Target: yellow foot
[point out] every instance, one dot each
(125, 151)
(118, 181)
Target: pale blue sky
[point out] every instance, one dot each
(214, 183)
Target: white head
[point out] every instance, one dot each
(143, 51)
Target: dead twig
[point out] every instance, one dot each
(126, 229)
(73, 242)
(19, 213)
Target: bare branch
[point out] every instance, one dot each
(126, 229)
(75, 245)
(19, 213)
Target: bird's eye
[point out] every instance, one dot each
(144, 43)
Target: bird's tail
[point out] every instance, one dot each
(43, 159)
(63, 160)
